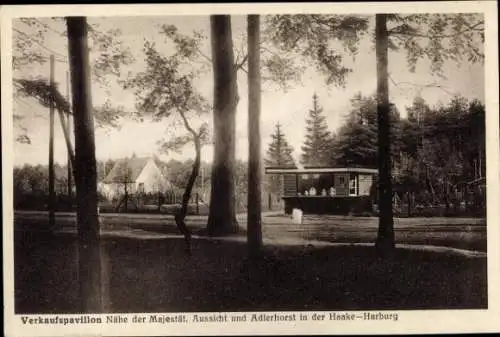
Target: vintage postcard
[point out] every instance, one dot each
(209, 169)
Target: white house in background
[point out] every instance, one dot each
(137, 175)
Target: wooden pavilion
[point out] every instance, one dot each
(327, 190)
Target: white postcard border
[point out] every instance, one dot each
(411, 321)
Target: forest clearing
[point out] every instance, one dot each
(250, 163)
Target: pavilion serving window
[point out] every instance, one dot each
(316, 184)
(326, 190)
(328, 184)
(325, 182)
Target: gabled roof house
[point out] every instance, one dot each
(134, 175)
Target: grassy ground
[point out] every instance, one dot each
(156, 276)
(462, 233)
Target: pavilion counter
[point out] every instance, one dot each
(327, 190)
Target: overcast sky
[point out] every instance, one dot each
(288, 108)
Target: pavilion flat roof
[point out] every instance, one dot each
(293, 170)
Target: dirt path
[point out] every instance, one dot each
(459, 233)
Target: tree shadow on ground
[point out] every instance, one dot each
(156, 276)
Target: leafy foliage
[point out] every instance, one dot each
(282, 70)
(111, 56)
(438, 37)
(23, 139)
(355, 144)
(177, 172)
(108, 53)
(311, 36)
(188, 47)
(108, 56)
(435, 151)
(28, 36)
(450, 149)
(31, 186)
(108, 115)
(45, 93)
(30, 178)
(165, 88)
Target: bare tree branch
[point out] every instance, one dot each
(238, 66)
(188, 127)
(421, 86)
(40, 44)
(202, 54)
(50, 28)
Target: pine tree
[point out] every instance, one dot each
(356, 141)
(418, 110)
(279, 154)
(316, 148)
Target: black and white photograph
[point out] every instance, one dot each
(284, 169)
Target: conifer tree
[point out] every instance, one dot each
(279, 154)
(316, 148)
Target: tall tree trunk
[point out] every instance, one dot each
(65, 125)
(466, 198)
(430, 187)
(85, 168)
(125, 197)
(52, 197)
(70, 154)
(222, 210)
(181, 215)
(409, 186)
(202, 183)
(385, 237)
(480, 168)
(446, 197)
(408, 198)
(254, 201)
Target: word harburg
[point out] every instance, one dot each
(366, 316)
